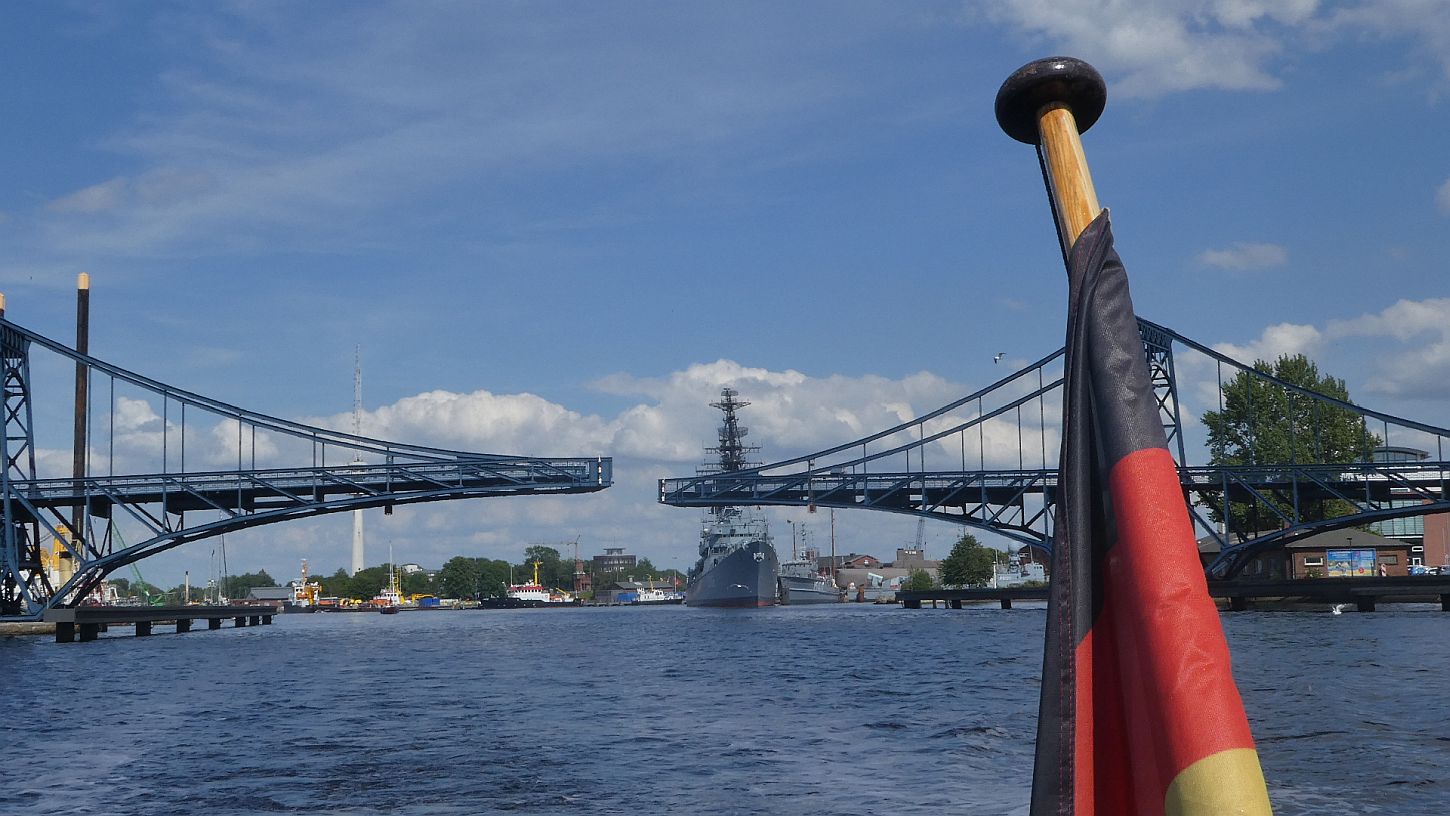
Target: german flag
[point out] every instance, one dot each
(1139, 713)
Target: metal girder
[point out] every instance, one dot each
(995, 500)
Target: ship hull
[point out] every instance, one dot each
(744, 578)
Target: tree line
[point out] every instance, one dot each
(460, 577)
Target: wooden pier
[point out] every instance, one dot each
(1365, 594)
(87, 622)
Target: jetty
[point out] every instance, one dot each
(87, 622)
(1237, 595)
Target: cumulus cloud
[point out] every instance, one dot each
(1422, 23)
(1276, 341)
(1167, 46)
(1421, 367)
(1243, 257)
(1178, 45)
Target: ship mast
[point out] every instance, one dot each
(732, 452)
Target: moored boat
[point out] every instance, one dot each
(530, 596)
(800, 580)
(800, 583)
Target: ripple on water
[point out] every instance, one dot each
(848, 710)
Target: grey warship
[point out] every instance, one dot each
(737, 564)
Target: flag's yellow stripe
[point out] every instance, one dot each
(1228, 783)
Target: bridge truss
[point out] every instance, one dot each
(221, 468)
(989, 460)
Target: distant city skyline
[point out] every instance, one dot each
(557, 230)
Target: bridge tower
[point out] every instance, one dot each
(21, 577)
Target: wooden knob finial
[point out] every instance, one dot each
(1053, 81)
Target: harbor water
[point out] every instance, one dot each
(837, 709)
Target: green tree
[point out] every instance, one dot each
(417, 583)
(918, 579)
(461, 577)
(968, 564)
(1264, 424)
(553, 571)
(368, 582)
(337, 585)
(237, 586)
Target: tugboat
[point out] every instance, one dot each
(737, 564)
(390, 600)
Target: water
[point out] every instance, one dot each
(807, 710)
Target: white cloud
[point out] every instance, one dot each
(1243, 256)
(98, 198)
(1276, 341)
(1176, 45)
(1421, 368)
(1423, 23)
(1168, 46)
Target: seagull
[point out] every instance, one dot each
(999, 357)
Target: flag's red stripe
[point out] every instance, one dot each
(1174, 700)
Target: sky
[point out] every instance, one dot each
(558, 229)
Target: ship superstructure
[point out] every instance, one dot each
(737, 564)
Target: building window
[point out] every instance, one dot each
(1313, 562)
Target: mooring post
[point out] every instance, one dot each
(78, 464)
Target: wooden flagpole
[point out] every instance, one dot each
(1049, 103)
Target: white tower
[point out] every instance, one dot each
(357, 518)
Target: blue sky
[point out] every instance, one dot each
(559, 228)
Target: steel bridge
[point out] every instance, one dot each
(62, 534)
(988, 460)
